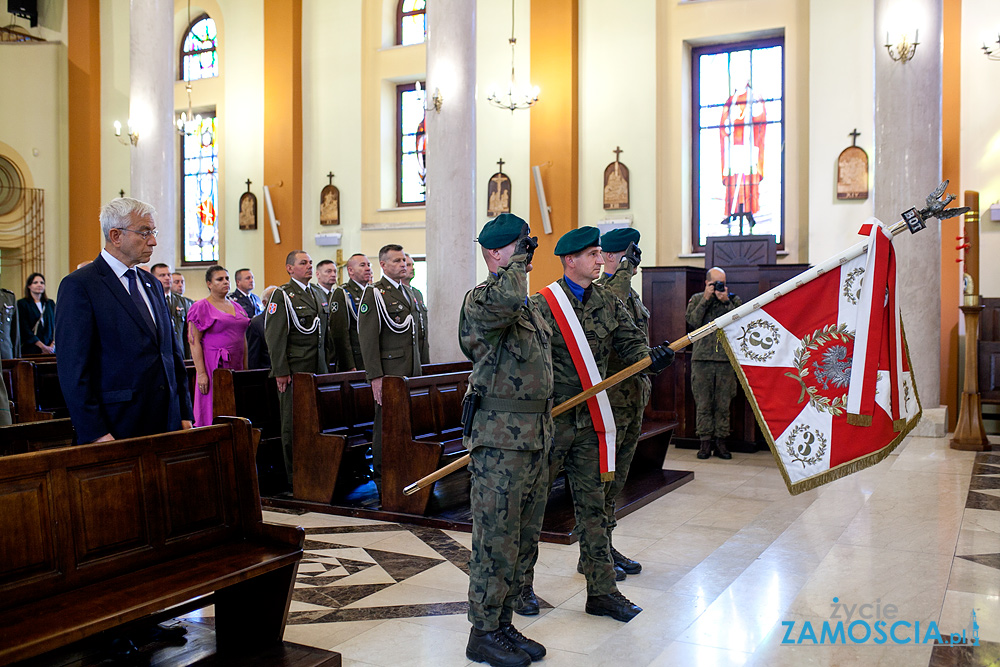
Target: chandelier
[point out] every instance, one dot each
(992, 53)
(515, 97)
(188, 123)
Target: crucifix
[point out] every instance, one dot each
(500, 163)
(854, 136)
(330, 176)
(248, 185)
(121, 193)
(617, 151)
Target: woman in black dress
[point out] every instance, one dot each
(36, 314)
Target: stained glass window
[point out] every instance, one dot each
(198, 53)
(411, 142)
(411, 22)
(200, 193)
(738, 142)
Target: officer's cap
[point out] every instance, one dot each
(501, 231)
(578, 240)
(618, 239)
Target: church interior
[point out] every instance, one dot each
(256, 127)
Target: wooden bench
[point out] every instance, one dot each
(19, 378)
(36, 436)
(100, 535)
(253, 395)
(421, 430)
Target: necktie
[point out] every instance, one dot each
(133, 290)
(255, 300)
(406, 293)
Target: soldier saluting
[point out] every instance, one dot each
(588, 323)
(391, 335)
(508, 428)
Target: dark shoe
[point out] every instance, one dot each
(721, 451)
(619, 572)
(526, 603)
(122, 651)
(496, 649)
(625, 563)
(706, 448)
(534, 650)
(615, 605)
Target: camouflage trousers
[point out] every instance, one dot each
(575, 450)
(629, 423)
(713, 384)
(508, 500)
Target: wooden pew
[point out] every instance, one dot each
(186, 522)
(421, 430)
(36, 436)
(253, 395)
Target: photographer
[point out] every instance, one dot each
(713, 381)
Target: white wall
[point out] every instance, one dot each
(981, 130)
(841, 98)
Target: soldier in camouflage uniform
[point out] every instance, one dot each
(713, 381)
(297, 336)
(628, 398)
(506, 338)
(607, 326)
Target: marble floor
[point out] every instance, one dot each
(735, 572)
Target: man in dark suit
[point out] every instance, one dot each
(120, 367)
(243, 294)
(257, 355)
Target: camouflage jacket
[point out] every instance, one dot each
(635, 391)
(505, 336)
(607, 325)
(701, 311)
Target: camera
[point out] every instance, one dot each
(720, 285)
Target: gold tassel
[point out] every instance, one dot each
(898, 425)
(608, 476)
(859, 420)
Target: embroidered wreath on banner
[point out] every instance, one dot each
(762, 335)
(803, 452)
(834, 367)
(850, 293)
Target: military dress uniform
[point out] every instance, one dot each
(9, 342)
(353, 292)
(297, 336)
(713, 381)
(335, 309)
(418, 298)
(628, 398)
(391, 337)
(178, 305)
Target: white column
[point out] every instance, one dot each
(907, 167)
(451, 170)
(152, 63)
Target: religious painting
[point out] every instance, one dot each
(498, 192)
(616, 186)
(852, 173)
(329, 205)
(248, 210)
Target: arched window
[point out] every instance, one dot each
(411, 22)
(198, 54)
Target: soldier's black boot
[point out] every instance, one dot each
(721, 451)
(624, 563)
(493, 647)
(534, 650)
(526, 603)
(615, 605)
(706, 448)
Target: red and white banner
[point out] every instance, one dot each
(586, 367)
(826, 370)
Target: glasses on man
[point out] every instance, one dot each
(145, 234)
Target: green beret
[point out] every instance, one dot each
(577, 240)
(618, 239)
(501, 231)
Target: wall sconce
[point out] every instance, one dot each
(903, 50)
(437, 100)
(133, 134)
(994, 53)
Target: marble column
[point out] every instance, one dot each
(907, 167)
(451, 170)
(152, 59)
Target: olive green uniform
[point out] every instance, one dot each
(353, 293)
(390, 343)
(295, 349)
(713, 382)
(334, 304)
(507, 339)
(608, 326)
(628, 398)
(9, 343)
(178, 305)
(418, 297)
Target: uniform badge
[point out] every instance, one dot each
(271, 308)
(364, 308)
(334, 306)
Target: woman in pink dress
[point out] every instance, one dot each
(217, 330)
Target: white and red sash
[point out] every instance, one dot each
(586, 368)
